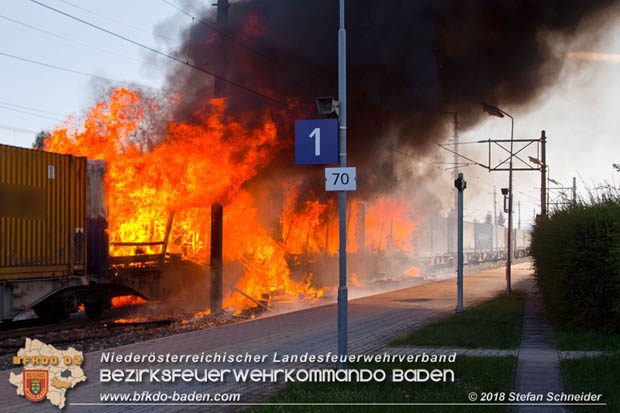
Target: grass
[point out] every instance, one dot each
(492, 324)
(600, 374)
(581, 339)
(472, 374)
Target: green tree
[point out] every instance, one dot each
(489, 218)
(500, 219)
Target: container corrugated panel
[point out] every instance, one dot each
(484, 236)
(42, 213)
(469, 236)
(500, 237)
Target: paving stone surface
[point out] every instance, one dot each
(374, 322)
(470, 352)
(538, 364)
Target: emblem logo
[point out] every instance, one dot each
(35, 384)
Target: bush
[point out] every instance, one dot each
(576, 253)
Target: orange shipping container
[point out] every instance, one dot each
(42, 214)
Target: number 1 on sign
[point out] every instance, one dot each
(316, 134)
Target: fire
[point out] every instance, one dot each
(413, 272)
(389, 225)
(261, 256)
(131, 320)
(191, 166)
(384, 223)
(126, 300)
(307, 231)
(194, 166)
(355, 280)
(202, 314)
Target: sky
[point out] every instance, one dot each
(579, 112)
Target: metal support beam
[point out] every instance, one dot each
(510, 251)
(543, 172)
(342, 201)
(460, 185)
(216, 258)
(362, 226)
(222, 12)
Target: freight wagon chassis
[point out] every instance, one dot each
(50, 298)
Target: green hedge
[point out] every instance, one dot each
(576, 253)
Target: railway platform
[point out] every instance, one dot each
(373, 322)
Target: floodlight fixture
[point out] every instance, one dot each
(327, 106)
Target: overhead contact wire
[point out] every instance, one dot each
(159, 52)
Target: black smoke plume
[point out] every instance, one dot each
(409, 61)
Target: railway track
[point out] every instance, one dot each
(35, 327)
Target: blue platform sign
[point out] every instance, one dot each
(316, 141)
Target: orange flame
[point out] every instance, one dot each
(194, 166)
(126, 300)
(388, 224)
(355, 281)
(207, 161)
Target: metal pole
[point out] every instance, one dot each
(543, 171)
(456, 157)
(222, 12)
(216, 258)
(362, 223)
(342, 203)
(574, 190)
(459, 275)
(509, 258)
(548, 187)
(494, 236)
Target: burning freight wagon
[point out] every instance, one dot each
(54, 245)
(141, 218)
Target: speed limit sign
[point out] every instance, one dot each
(340, 179)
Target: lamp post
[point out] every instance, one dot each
(342, 200)
(495, 111)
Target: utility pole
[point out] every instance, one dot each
(222, 12)
(362, 226)
(216, 258)
(455, 142)
(548, 188)
(494, 214)
(342, 201)
(519, 208)
(543, 172)
(455, 174)
(455, 171)
(510, 251)
(574, 190)
(460, 185)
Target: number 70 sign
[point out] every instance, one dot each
(340, 179)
